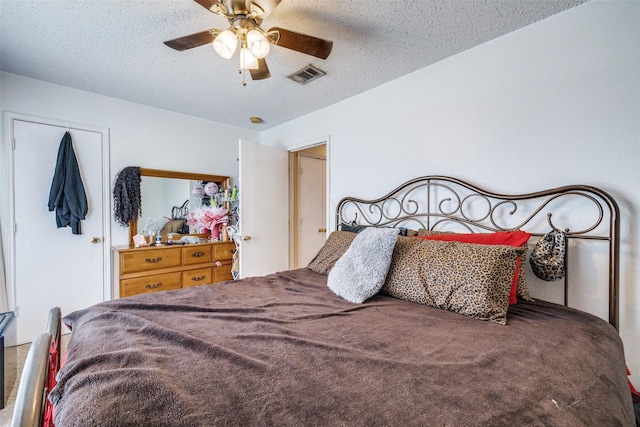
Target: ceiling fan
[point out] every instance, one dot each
(245, 18)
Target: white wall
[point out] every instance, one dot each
(552, 104)
(139, 135)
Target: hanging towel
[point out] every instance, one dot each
(67, 195)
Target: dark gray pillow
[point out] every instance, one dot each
(359, 228)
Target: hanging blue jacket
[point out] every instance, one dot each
(67, 195)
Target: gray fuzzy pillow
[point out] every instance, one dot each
(361, 271)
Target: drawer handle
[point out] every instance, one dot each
(153, 260)
(197, 279)
(153, 286)
(198, 254)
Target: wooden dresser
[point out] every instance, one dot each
(161, 268)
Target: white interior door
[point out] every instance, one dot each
(263, 209)
(311, 208)
(52, 266)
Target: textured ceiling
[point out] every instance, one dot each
(115, 48)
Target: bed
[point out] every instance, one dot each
(285, 349)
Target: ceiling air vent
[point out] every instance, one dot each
(307, 74)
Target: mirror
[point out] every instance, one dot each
(168, 194)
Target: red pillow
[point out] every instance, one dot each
(509, 238)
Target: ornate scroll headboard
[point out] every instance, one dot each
(180, 212)
(445, 203)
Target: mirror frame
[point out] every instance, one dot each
(158, 173)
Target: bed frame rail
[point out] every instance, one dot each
(31, 395)
(446, 203)
(38, 375)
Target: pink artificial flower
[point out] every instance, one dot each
(207, 217)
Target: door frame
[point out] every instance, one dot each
(326, 140)
(8, 214)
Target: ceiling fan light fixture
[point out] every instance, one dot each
(247, 60)
(273, 36)
(225, 44)
(258, 44)
(246, 35)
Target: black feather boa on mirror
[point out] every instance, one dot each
(126, 195)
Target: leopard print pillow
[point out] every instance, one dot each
(470, 279)
(334, 247)
(522, 290)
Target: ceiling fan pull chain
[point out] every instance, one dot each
(244, 74)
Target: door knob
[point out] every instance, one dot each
(322, 230)
(246, 237)
(95, 240)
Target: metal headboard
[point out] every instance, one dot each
(439, 202)
(180, 212)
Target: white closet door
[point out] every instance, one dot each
(264, 209)
(54, 267)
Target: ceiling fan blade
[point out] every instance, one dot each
(193, 40)
(213, 6)
(299, 42)
(262, 72)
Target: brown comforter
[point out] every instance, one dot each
(283, 350)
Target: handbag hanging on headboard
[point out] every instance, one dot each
(547, 258)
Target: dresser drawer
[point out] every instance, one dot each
(201, 276)
(153, 283)
(222, 273)
(196, 255)
(223, 251)
(145, 260)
